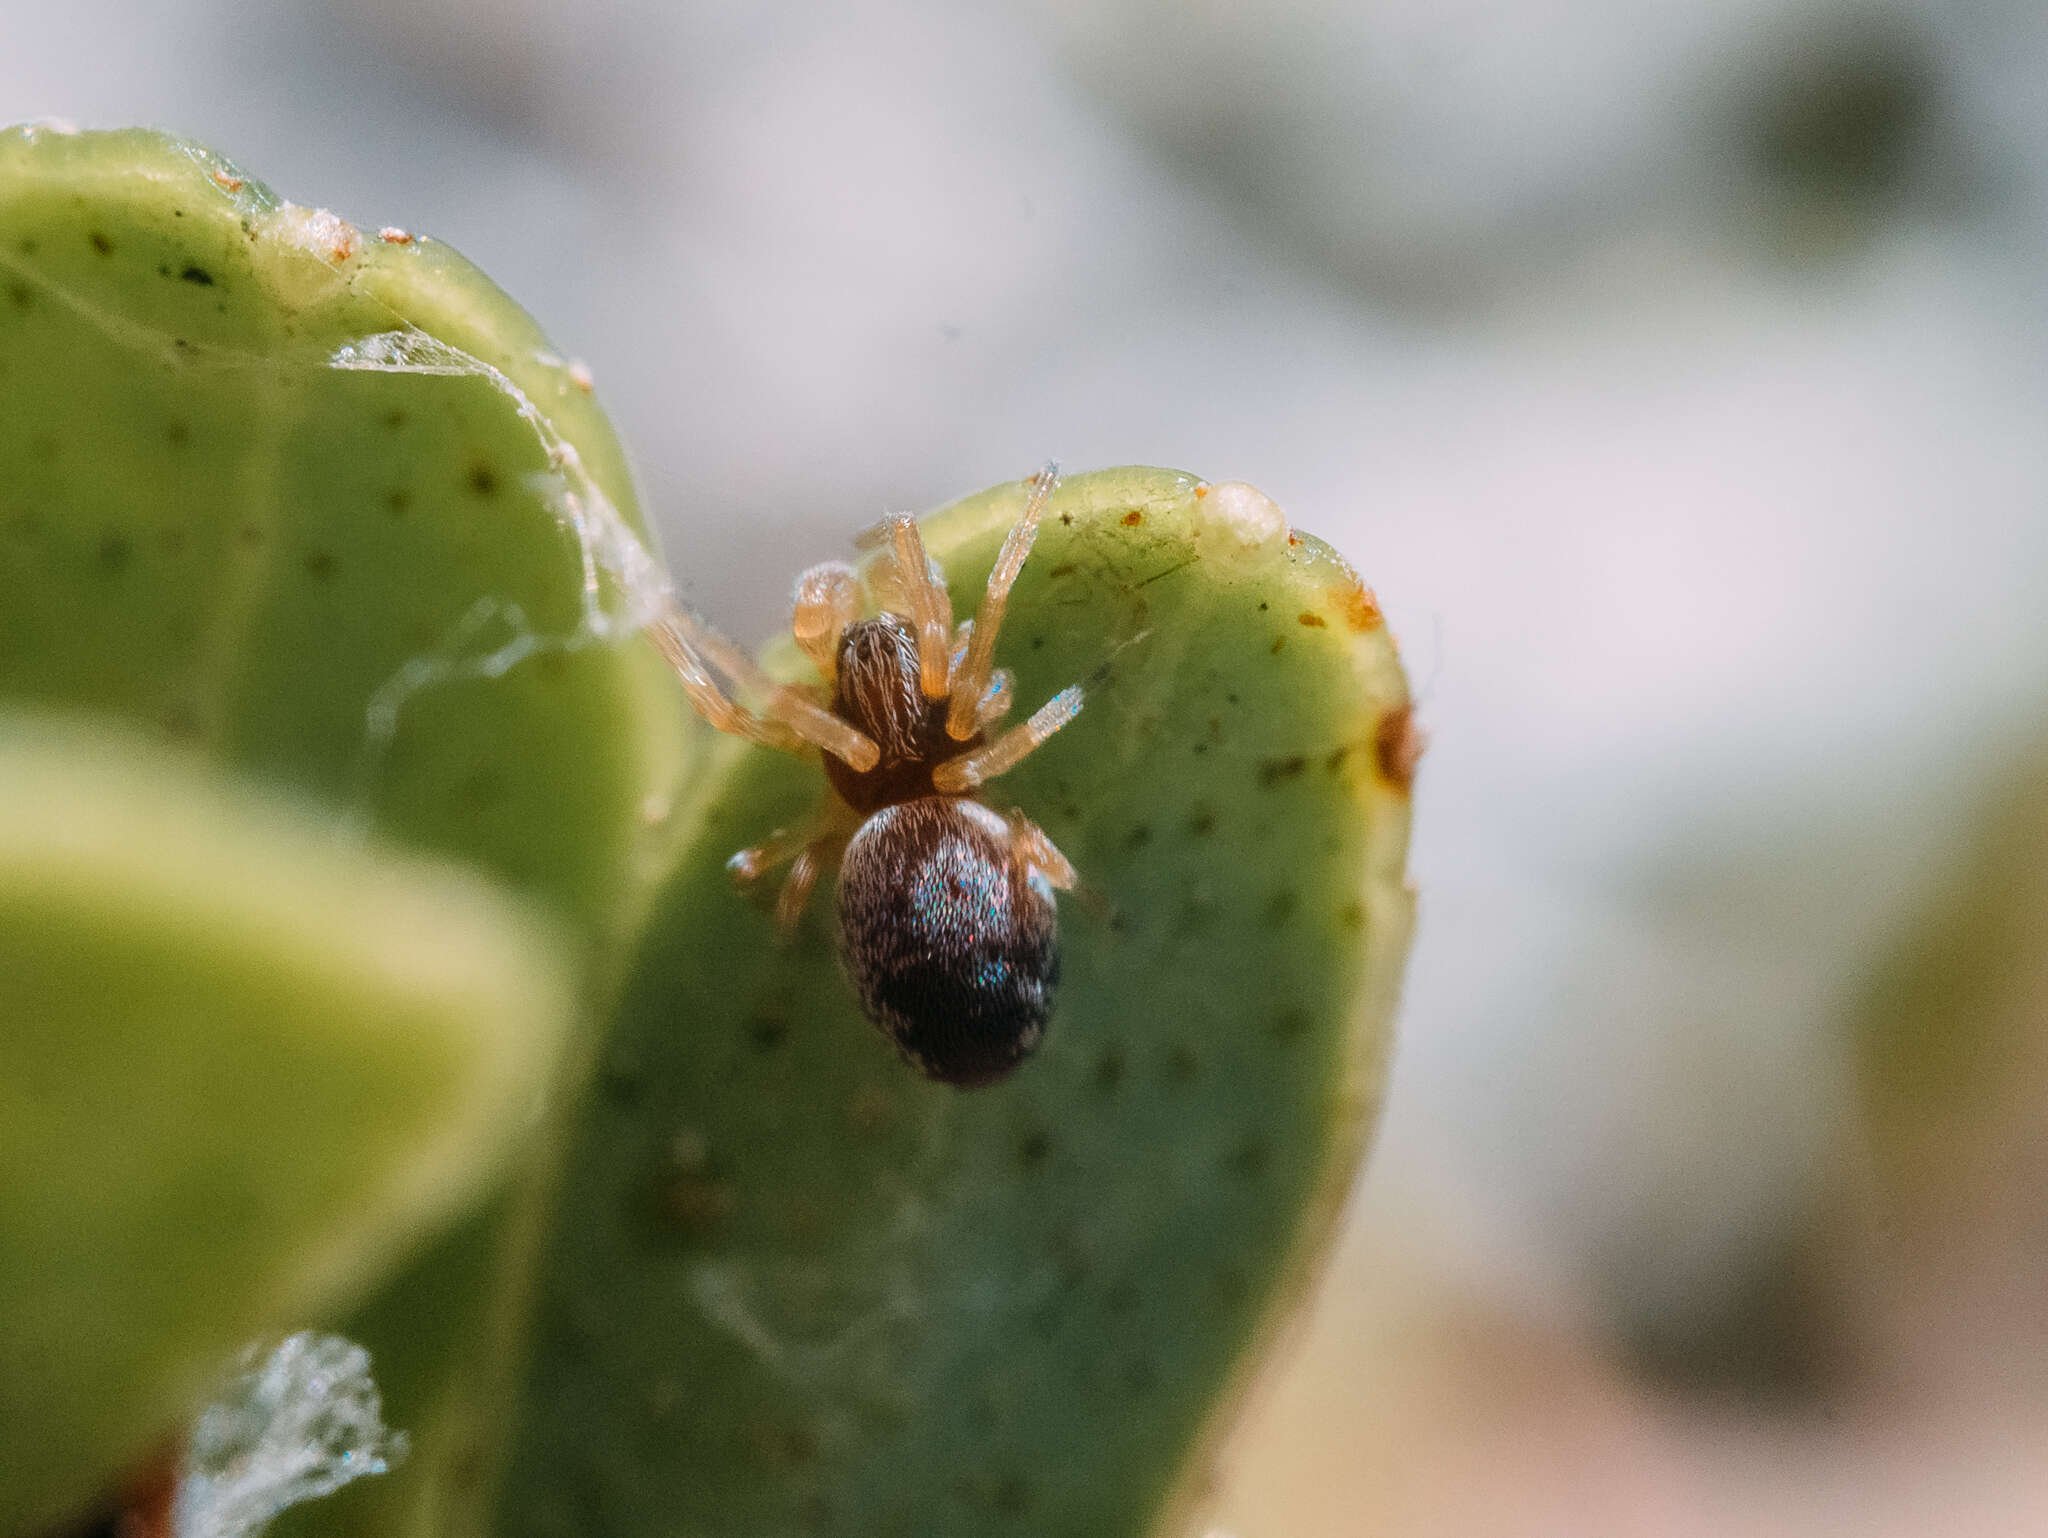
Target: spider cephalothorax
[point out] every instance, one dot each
(948, 928)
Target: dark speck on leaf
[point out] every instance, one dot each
(1032, 1149)
(483, 480)
(1248, 1158)
(101, 244)
(320, 566)
(198, 275)
(1109, 1069)
(1276, 770)
(115, 551)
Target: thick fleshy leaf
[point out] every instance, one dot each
(320, 504)
(795, 1287)
(245, 1065)
(319, 509)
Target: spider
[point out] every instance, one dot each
(948, 927)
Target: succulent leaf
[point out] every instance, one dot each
(794, 1286)
(246, 1065)
(314, 511)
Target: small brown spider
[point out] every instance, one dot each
(948, 928)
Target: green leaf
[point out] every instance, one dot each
(795, 1287)
(323, 506)
(246, 1064)
(318, 510)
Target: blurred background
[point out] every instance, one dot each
(1678, 375)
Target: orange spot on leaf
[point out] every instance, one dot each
(1133, 518)
(1397, 747)
(1360, 609)
(1314, 621)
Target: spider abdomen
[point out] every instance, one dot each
(950, 940)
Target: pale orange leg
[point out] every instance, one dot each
(773, 852)
(796, 890)
(826, 601)
(930, 610)
(712, 702)
(1028, 843)
(789, 717)
(1002, 688)
(971, 679)
(957, 776)
(806, 850)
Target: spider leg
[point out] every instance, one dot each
(1028, 843)
(957, 776)
(788, 719)
(826, 600)
(710, 698)
(796, 890)
(806, 849)
(928, 606)
(1002, 686)
(971, 679)
(774, 851)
